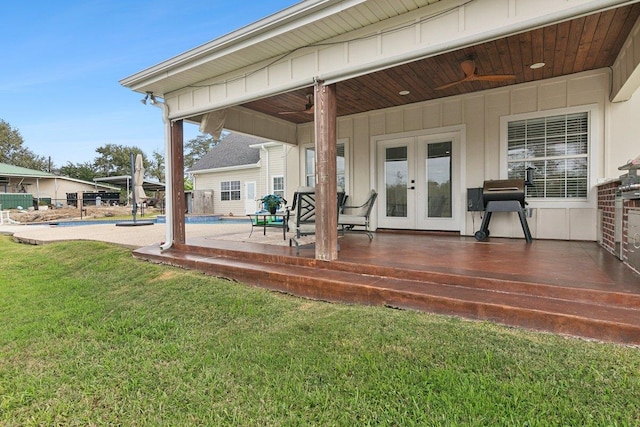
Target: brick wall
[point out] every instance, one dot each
(606, 205)
(628, 204)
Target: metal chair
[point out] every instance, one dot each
(358, 216)
(302, 215)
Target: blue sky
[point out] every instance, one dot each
(62, 60)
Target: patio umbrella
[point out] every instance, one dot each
(138, 180)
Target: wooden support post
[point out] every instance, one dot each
(326, 186)
(177, 174)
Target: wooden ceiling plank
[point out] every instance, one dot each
(549, 43)
(600, 36)
(562, 38)
(573, 41)
(584, 44)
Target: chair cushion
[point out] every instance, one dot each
(351, 220)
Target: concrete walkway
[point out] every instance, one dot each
(132, 237)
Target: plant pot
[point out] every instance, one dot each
(272, 210)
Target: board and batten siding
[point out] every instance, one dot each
(480, 114)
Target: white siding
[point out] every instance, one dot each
(212, 180)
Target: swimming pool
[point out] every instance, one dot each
(160, 219)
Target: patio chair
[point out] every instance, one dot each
(358, 216)
(301, 216)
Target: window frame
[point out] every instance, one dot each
(280, 192)
(231, 190)
(303, 164)
(593, 135)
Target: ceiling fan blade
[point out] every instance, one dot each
(469, 67)
(292, 112)
(305, 111)
(496, 77)
(448, 85)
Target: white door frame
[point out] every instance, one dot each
(249, 199)
(457, 134)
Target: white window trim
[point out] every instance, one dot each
(230, 190)
(593, 110)
(273, 185)
(347, 164)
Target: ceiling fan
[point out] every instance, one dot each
(308, 107)
(470, 71)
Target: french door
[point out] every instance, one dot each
(418, 178)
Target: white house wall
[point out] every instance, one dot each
(623, 135)
(54, 188)
(211, 181)
(480, 114)
(272, 163)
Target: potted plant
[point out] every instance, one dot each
(272, 202)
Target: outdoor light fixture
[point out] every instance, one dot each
(537, 65)
(150, 96)
(404, 93)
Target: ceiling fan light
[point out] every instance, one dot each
(537, 65)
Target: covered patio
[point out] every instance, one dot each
(573, 288)
(404, 88)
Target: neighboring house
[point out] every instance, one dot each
(235, 173)
(550, 85)
(45, 185)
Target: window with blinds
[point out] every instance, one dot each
(557, 147)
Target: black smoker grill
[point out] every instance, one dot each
(505, 195)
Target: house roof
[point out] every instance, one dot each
(235, 149)
(123, 181)
(7, 170)
(18, 171)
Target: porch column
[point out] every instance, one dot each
(326, 186)
(177, 175)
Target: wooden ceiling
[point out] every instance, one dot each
(582, 44)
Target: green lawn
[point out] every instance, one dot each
(90, 336)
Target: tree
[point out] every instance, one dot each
(115, 160)
(155, 168)
(14, 153)
(195, 148)
(85, 171)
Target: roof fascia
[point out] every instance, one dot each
(225, 169)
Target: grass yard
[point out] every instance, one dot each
(90, 336)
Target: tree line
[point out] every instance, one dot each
(111, 159)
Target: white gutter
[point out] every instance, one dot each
(168, 194)
(263, 147)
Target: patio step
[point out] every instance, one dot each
(606, 316)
